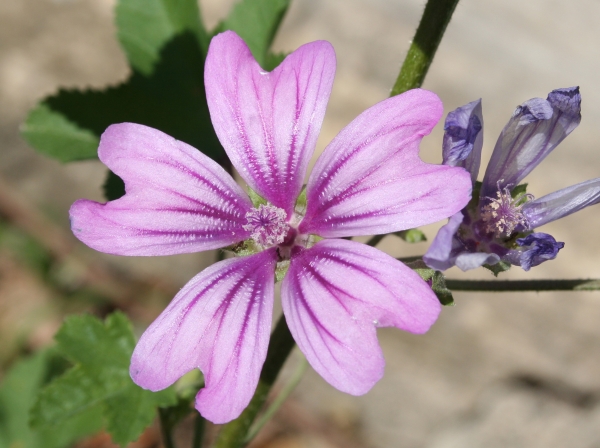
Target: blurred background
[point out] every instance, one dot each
(497, 370)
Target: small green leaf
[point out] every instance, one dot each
(411, 235)
(18, 393)
(438, 285)
(100, 377)
(145, 26)
(501, 266)
(51, 132)
(435, 278)
(257, 22)
(421, 268)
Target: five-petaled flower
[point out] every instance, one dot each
(499, 224)
(369, 180)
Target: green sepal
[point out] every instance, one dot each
(256, 199)
(300, 206)
(518, 190)
(411, 236)
(243, 248)
(100, 352)
(501, 266)
(281, 270)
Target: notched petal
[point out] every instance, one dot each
(177, 199)
(370, 179)
(220, 323)
(268, 123)
(336, 294)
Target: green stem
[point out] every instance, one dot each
(233, 434)
(279, 400)
(375, 240)
(166, 427)
(199, 425)
(523, 285)
(435, 19)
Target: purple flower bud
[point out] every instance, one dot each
(536, 248)
(463, 138)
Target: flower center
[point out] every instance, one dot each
(267, 225)
(503, 213)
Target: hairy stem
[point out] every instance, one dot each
(435, 19)
(524, 285)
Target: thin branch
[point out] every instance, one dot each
(523, 285)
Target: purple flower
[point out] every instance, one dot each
(369, 180)
(498, 225)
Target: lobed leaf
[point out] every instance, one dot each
(100, 378)
(18, 393)
(67, 125)
(257, 22)
(145, 26)
(51, 132)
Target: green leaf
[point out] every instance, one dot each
(272, 60)
(435, 278)
(145, 26)
(257, 22)
(172, 99)
(438, 285)
(100, 377)
(411, 235)
(113, 187)
(51, 132)
(419, 266)
(18, 393)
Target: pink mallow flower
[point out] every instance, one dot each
(336, 292)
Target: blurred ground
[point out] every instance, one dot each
(497, 370)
